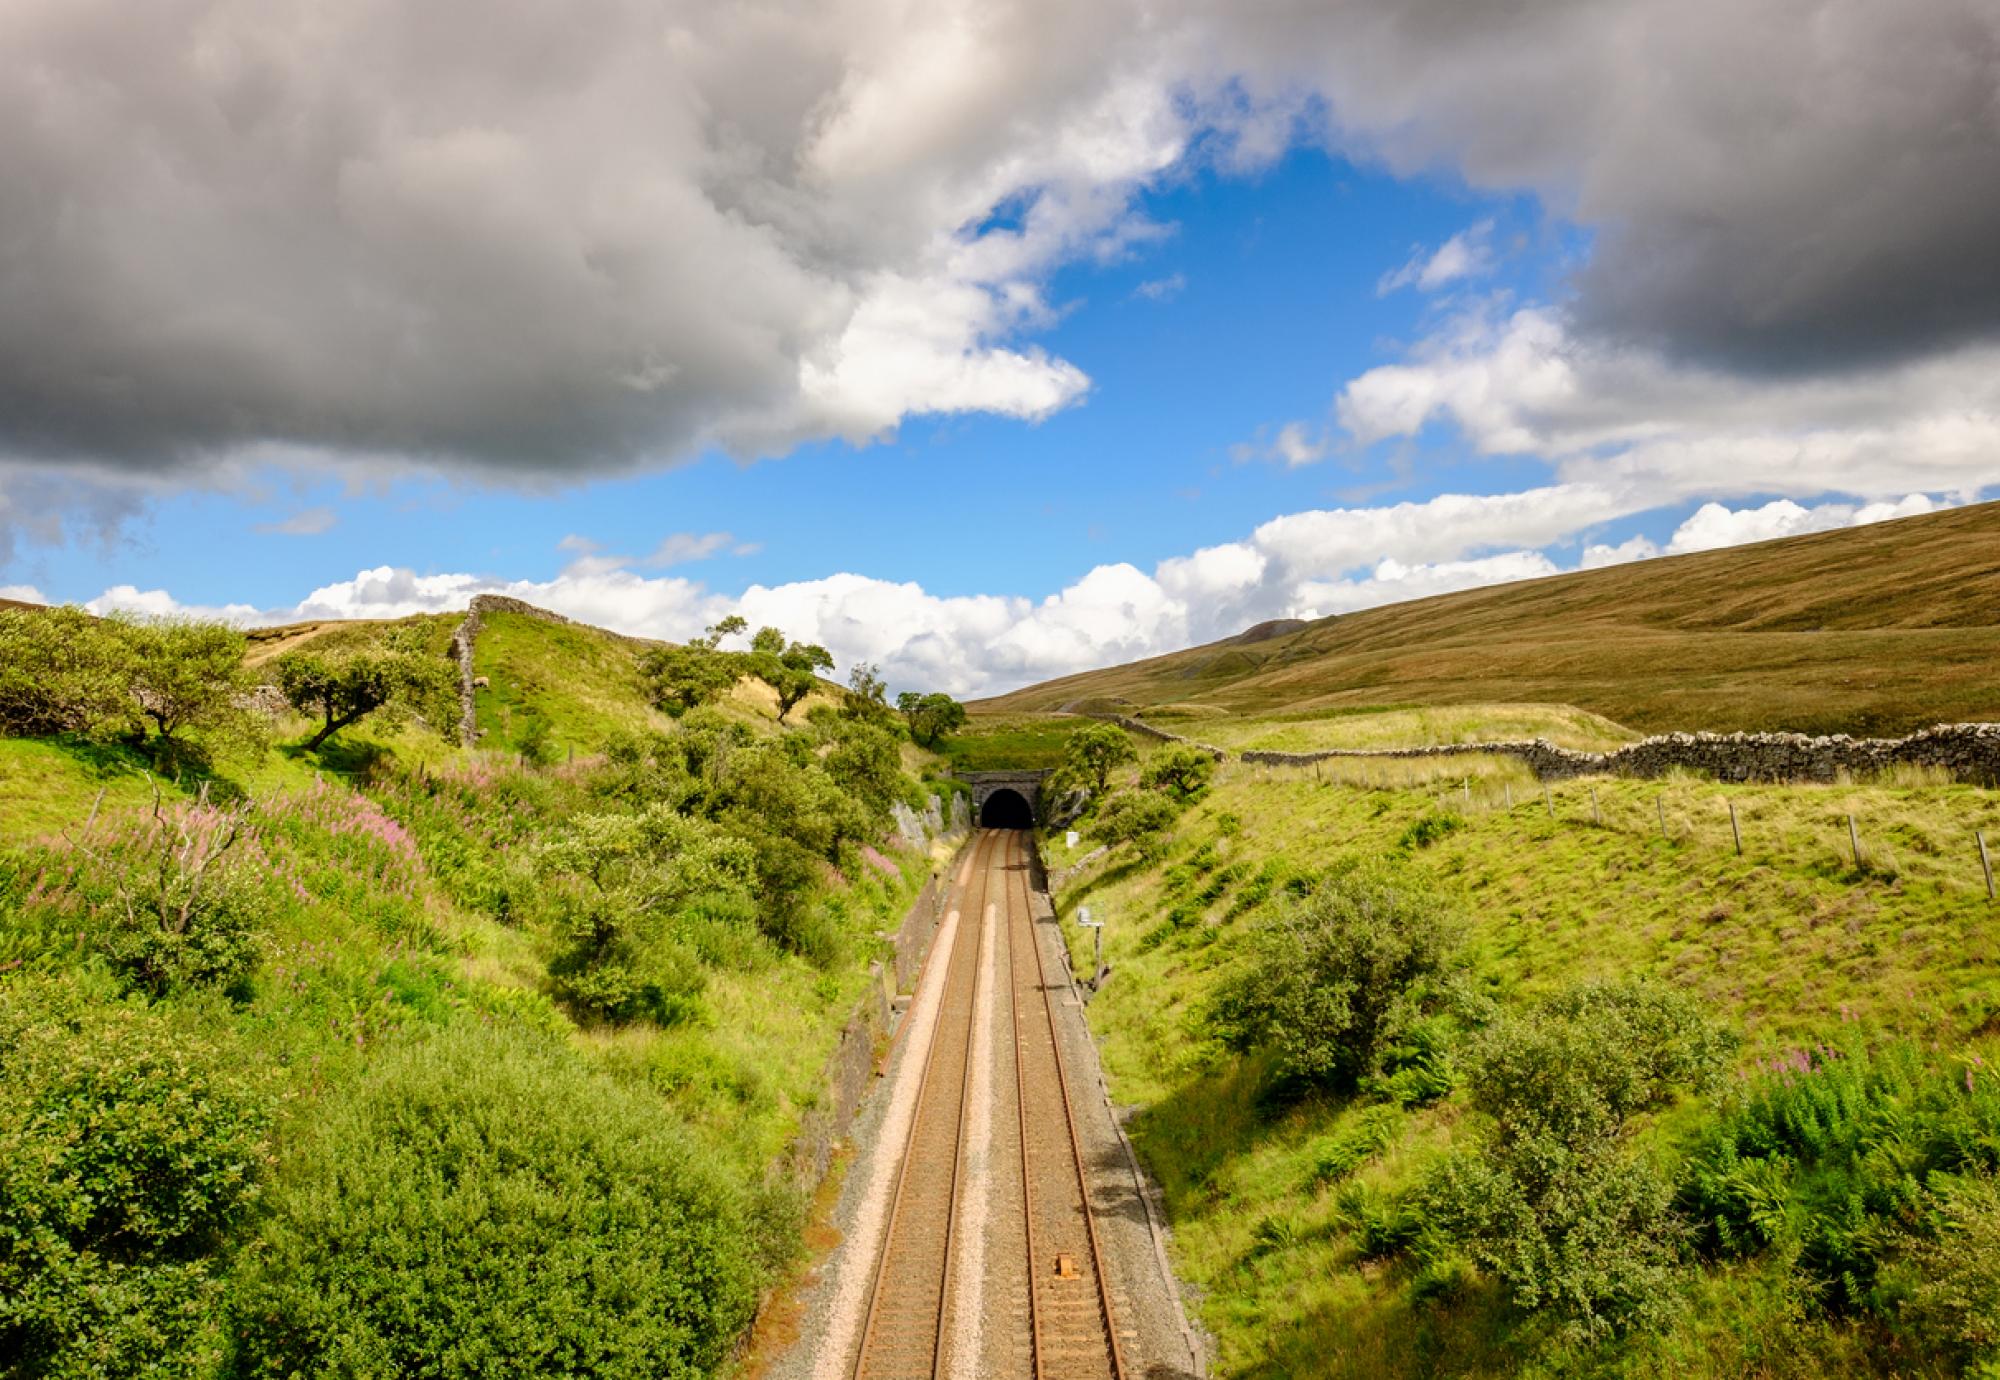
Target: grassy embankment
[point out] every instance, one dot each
(1878, 629)
(394, 934)
(1790, 945)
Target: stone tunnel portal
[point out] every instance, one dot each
(1006, 809)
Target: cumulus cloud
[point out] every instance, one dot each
(1712, 525)
(25, 594)
(1525, 383)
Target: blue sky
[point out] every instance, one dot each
(981, 359)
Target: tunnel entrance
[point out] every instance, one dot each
(1006, 809)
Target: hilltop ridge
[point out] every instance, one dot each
(1878, 629)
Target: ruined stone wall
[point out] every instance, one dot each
(1969, 752)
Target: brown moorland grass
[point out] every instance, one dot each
(1878, 629)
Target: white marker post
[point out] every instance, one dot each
(1097, 926)
(1070, 837)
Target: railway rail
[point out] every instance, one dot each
(1046, 1257)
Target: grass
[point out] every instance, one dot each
(1371, 727)
(1790, 944)
(583, 682)
(1011, 742)
(1878, 629)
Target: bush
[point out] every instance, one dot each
(131, 1146)
(482, 1205)
(1335, 980)
(1554, 1204)
(1956, 1303)
(61, 671)
(1827, 1155)
(1182, 772)
(1427, 830)
(1140, 818)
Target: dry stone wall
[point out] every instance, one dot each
(1969, 752)
(463, 639)
(1146, 730)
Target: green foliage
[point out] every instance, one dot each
(342, 687)
(1955, 1304)
(679, 679)
(867, 692)
(1093, 752)
(167, 904)
(1428, 829)
(1331, 983)
(187, 675)
(787, 667)
(1140, 818)
(931, 718)
(1555, 1204)
(1181, 771)
(131, 1145)
(865, 760)
(61, 671)
(480, 1205)
(1827, 1155)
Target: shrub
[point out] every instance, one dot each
(131, 1146)
(342, 688)
(1554, 1204)
(1427, 830)
(1828, 1154)
(1340, 975)
(61, 671)
(482, 1205)
(186, 675)
(1140, 818)
(1182, 772)
(1090, 754)
(172, 905)
(1956, 1302)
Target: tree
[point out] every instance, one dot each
(787, 667)
(712, 639)
(186, 674)
(342, 688)
(61, 671)
(1181, 771)
(1092, 752)
(682, 678)
(931, 716)
(867, 694)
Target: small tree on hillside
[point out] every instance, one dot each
(61, 671)
(787, 667)
(187, 675)
(342, 688)
(867, 694)
(1093, 751)
(931, 716)
(682, 678)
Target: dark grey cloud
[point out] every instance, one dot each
(1778, 185)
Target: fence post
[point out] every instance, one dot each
(1467, 785)
(1548, 800)
(1735, 831)
(1508, 787)
(1596, 815)
(1661, 801)
(1853, 838)
(1985, 862)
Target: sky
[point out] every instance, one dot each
(983, 342)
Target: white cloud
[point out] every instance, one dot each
(1522, 383)
(1308, 564)
(1713, 525)
(1162, 289)
(683, 547)
(1468, 254)
(26, 594)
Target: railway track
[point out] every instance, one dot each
(1046, 1256)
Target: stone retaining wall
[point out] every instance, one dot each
(1969, 752)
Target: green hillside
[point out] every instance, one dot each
(1877, 629)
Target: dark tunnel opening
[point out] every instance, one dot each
(1006, 809)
